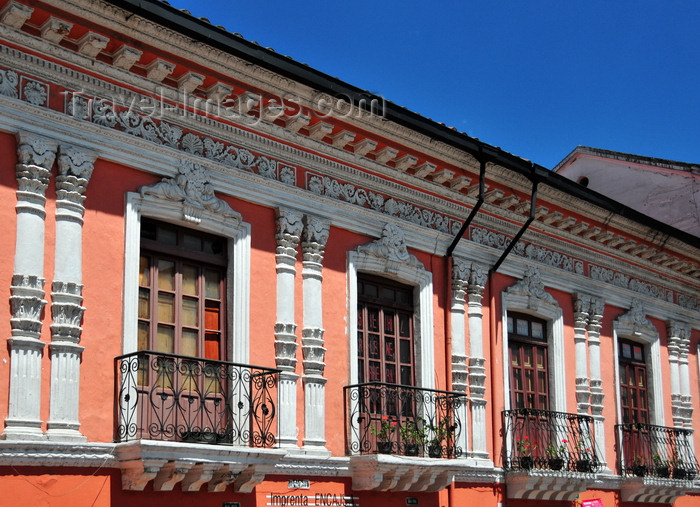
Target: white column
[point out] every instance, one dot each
(75, 166)
(678, 335)
(35, 155)
(314, 241)
(582, 302)
(289, 228)
(595, 319)
(477, 368)
(460, 279)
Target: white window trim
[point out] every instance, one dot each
(422, 280)
(238, 271)
(552, 313)
(649, 337)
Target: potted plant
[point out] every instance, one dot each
(584, 456)
(413, 436)
(383, 431)
(441, 431)
(639, 467)
(525, 449)
(661, 467)
(556, 455)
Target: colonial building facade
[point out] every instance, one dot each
(234, 280)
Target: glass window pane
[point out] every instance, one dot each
(144, 304)
(373, 346)
(527, 356)
(638, 356)
(403, 297)
(374, 371)
(167, 236)
(360, 345)
(144, 271)
(537, 330)
(166, 275)
(212, 322)
(212, 346)
(371, 290)
(406, 375)
(188, 344)
(360, 319)
(192, 242)
(389, 322)
(387, 294)
(164, 339)
(626, 350)
(190, 312)
(213, 284)
(510, 324)
(143, 336)
(389, 349)
(405, 351)
(360, 371)
(190, 274)
(166, 308)
(540, 358)
(215, 246)
(522, 327)
(390, 374)
(404, 325)
(373, 319)
(542, 380)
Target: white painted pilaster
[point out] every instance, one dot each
(595, 319)
(289, 229)
(477, 363)
(35, 155)
(315, 236)
(678, 335)
(582, 303)
(75, 166)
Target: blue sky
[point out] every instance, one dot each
(534, 78)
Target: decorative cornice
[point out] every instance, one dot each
(634, 321)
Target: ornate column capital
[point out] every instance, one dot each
(582, 304)
(288, 233)
(477, 283)
(315, 237)
(75, 166)
(460, 279)
(35, 157)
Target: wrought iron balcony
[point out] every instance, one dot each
(655, 451)
(397, 419)
(179, 398)
(543, 439)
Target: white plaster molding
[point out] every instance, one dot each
(91, 44)
(15, 14)
(125, 57)
(55, 29)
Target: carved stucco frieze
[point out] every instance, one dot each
(193, 188)
(9, 81)
(532, 287)
(313, 351)
(391, 249)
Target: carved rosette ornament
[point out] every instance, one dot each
(391, 249)
(192, 187)
(532, 287)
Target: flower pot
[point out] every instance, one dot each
(526, 462)
(639, 470)
(555, 463)
(679, 473)
(384, 447)
(412, 449)
(435, 451)
(662, 471)
(584, 465)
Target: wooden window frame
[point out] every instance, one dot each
(389, 312)
(534, 343)
(634, 399)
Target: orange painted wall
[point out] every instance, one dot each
(8, 200)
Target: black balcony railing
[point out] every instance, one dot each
(390, 418)
(655, 451)
(178, 398)
(542, 439)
